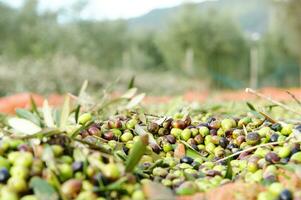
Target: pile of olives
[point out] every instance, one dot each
(186, 154)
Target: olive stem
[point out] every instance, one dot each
(249, 90)
(294, 97)
(255, 147)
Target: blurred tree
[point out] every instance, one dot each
(290, 10)
(216, 42)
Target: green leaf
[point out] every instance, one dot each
(33, 106)
(229, 172)
(76, 114)
(43, 190)
(191, 152)
(136, 153)
(65, 112)
(47, 114)
(22, 113)
(250, 106)
(132, 82)
(135, 101)
(24, 126)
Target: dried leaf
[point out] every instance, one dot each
(130, 93)
(135, 101)
(24, 126)
(65, 112)
(156, 191)
(47, 114)
(83, 88)
(43, 190)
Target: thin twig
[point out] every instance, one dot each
(249, 90)
(294, 97)
(255, 147)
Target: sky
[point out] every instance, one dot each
(108, 9)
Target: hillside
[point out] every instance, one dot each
(252, 15)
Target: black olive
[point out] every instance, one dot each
(223, 142)
(186, 159)
(4, 175)
(274, 137)
(276, 127)
(286, 195)
(272, 157)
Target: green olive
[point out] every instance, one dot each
(65, 171)
(284, 152)
(204, 131)
(296, 158)
(186, 134)
(17, 184)
(126, 136)
(84, 118)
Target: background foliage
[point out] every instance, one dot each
(41, 53)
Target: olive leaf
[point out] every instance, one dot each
(136, 153)
(65, 112)
(229, 171)
(43, 190)
(76, 113)
(132, 82)
(22, 113)
(250, 106)
(191, 152)
(33, 106)
(135, 101)
(130, 93)
(23, 126)
(140, 131)
(47, 114)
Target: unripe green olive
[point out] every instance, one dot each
(204, 131)
(84, 118)
(111, 171)
(131, 123)
(284, 152)
(176, 132)
(19, 171)
(17, 184)
(65, 171)
(29, 197)
(57, 150)
(4, 163)
(126, 136)
(296, 158)
(228, 123)
(8, 193)
(287, 130)
(186, 134)
(138, 195)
